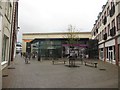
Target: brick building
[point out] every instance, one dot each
(107, 30)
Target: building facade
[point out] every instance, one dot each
(107, 31)
(28, 37)
(8, 30)
(55, 44)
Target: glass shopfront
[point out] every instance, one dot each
(58, 48)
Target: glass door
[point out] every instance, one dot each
(110, 56)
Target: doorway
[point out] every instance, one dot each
(110, 56)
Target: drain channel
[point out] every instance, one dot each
(103, 69)
(5, 75)
(11, 68)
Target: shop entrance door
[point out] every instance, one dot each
(110, 55)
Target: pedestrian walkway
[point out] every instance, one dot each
(46, 75)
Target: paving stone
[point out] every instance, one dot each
(46, 75)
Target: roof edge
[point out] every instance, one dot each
(55, 33)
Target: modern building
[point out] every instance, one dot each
(8, 30)
(56, 44)
(107, 31)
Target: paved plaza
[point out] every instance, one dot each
(46, 75)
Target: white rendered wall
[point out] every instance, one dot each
(101, 46)
(110, 43)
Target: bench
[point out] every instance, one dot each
(53, 61)
(91, 63)
(79, 59)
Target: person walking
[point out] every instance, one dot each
(21, 54)
(33, 56)
(27, 58)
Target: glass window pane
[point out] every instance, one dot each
(4, 48)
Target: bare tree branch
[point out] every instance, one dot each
(71, 35)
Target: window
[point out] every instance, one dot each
(100, 22)
(113, 29)
(118, 22)
(102, 18)
(94, 33)
(104, 34)
(101, 53)
(107, 52)
(104, 14)
(8, 10)
(108, 11)
(110, 48)
(108, 29)
(4, 49)
(112, 3)
(114, 52)
(112, 10)
(96, 30)
(101, 49)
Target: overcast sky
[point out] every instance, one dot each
(55, 15)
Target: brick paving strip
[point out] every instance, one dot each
(46, 75)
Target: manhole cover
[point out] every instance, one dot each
(4, 75)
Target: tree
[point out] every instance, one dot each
(72, 40)
(71, 35)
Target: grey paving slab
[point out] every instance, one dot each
(46, 75)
